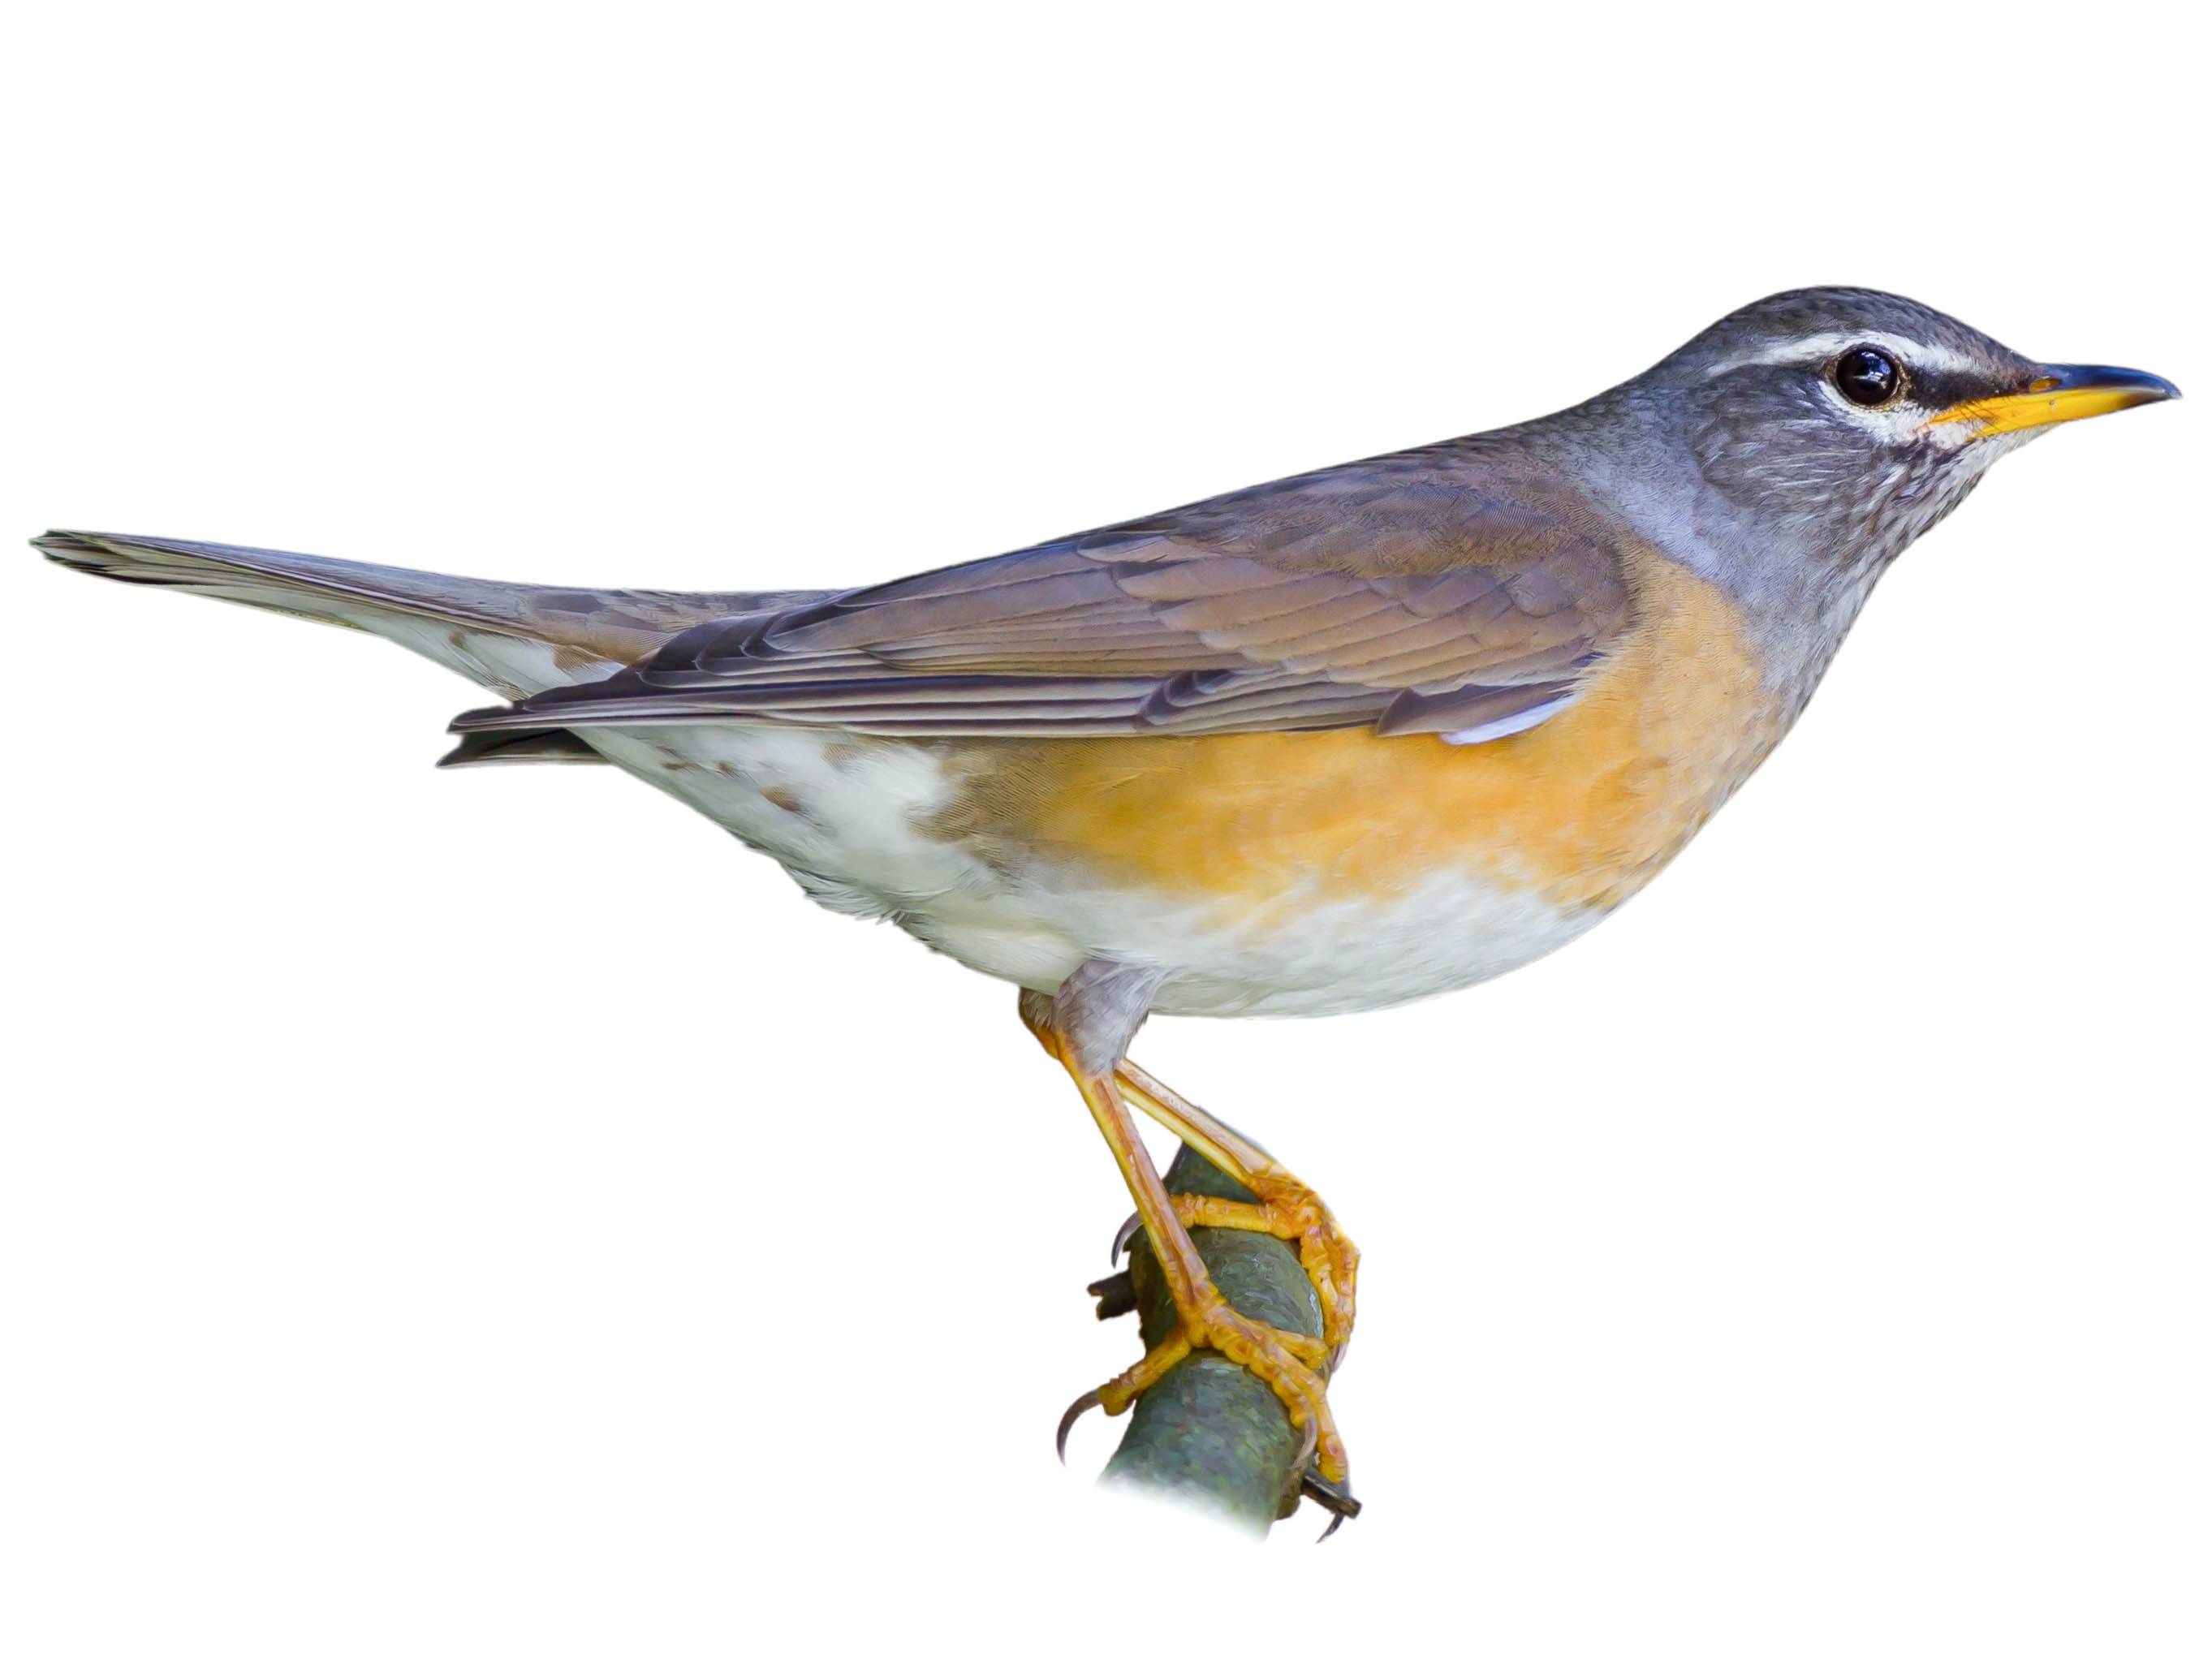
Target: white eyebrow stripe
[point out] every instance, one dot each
(1819, 348)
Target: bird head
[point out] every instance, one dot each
(1838, 424)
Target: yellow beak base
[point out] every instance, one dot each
(2065, 392)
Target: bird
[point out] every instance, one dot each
(1355, 737)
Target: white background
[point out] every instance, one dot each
(485, 1214)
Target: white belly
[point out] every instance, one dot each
(846, 817)
(1328, 955)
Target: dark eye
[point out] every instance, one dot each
(1867, 377)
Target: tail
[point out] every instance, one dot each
(514, 638)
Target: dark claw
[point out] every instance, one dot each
(1129, 1229)
(1067, 1421)
(1339, 1503)
(1116, 1295)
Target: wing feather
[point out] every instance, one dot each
(1426, 592)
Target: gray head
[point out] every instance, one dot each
(1797, 446)
(1842, 422)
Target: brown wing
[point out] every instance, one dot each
(1414, 593)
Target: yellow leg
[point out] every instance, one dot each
(1286, 1363)
(1287, 1209)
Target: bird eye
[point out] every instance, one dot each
(1868, 378)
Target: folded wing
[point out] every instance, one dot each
(1416, 593)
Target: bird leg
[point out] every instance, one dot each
(1291, 1365)
(1286, 1208)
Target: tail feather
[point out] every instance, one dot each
(325, 590)
(516, 638)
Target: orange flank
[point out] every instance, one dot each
(1583, 809)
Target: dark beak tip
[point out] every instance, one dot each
(2148, 388)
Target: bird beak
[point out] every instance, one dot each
(2060, 392)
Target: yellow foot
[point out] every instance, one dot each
(1287, 1208)
(1292, 1364)
(1289, 1211)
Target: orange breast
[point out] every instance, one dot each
(1584, 809)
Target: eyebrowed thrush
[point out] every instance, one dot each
(1332, 743)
